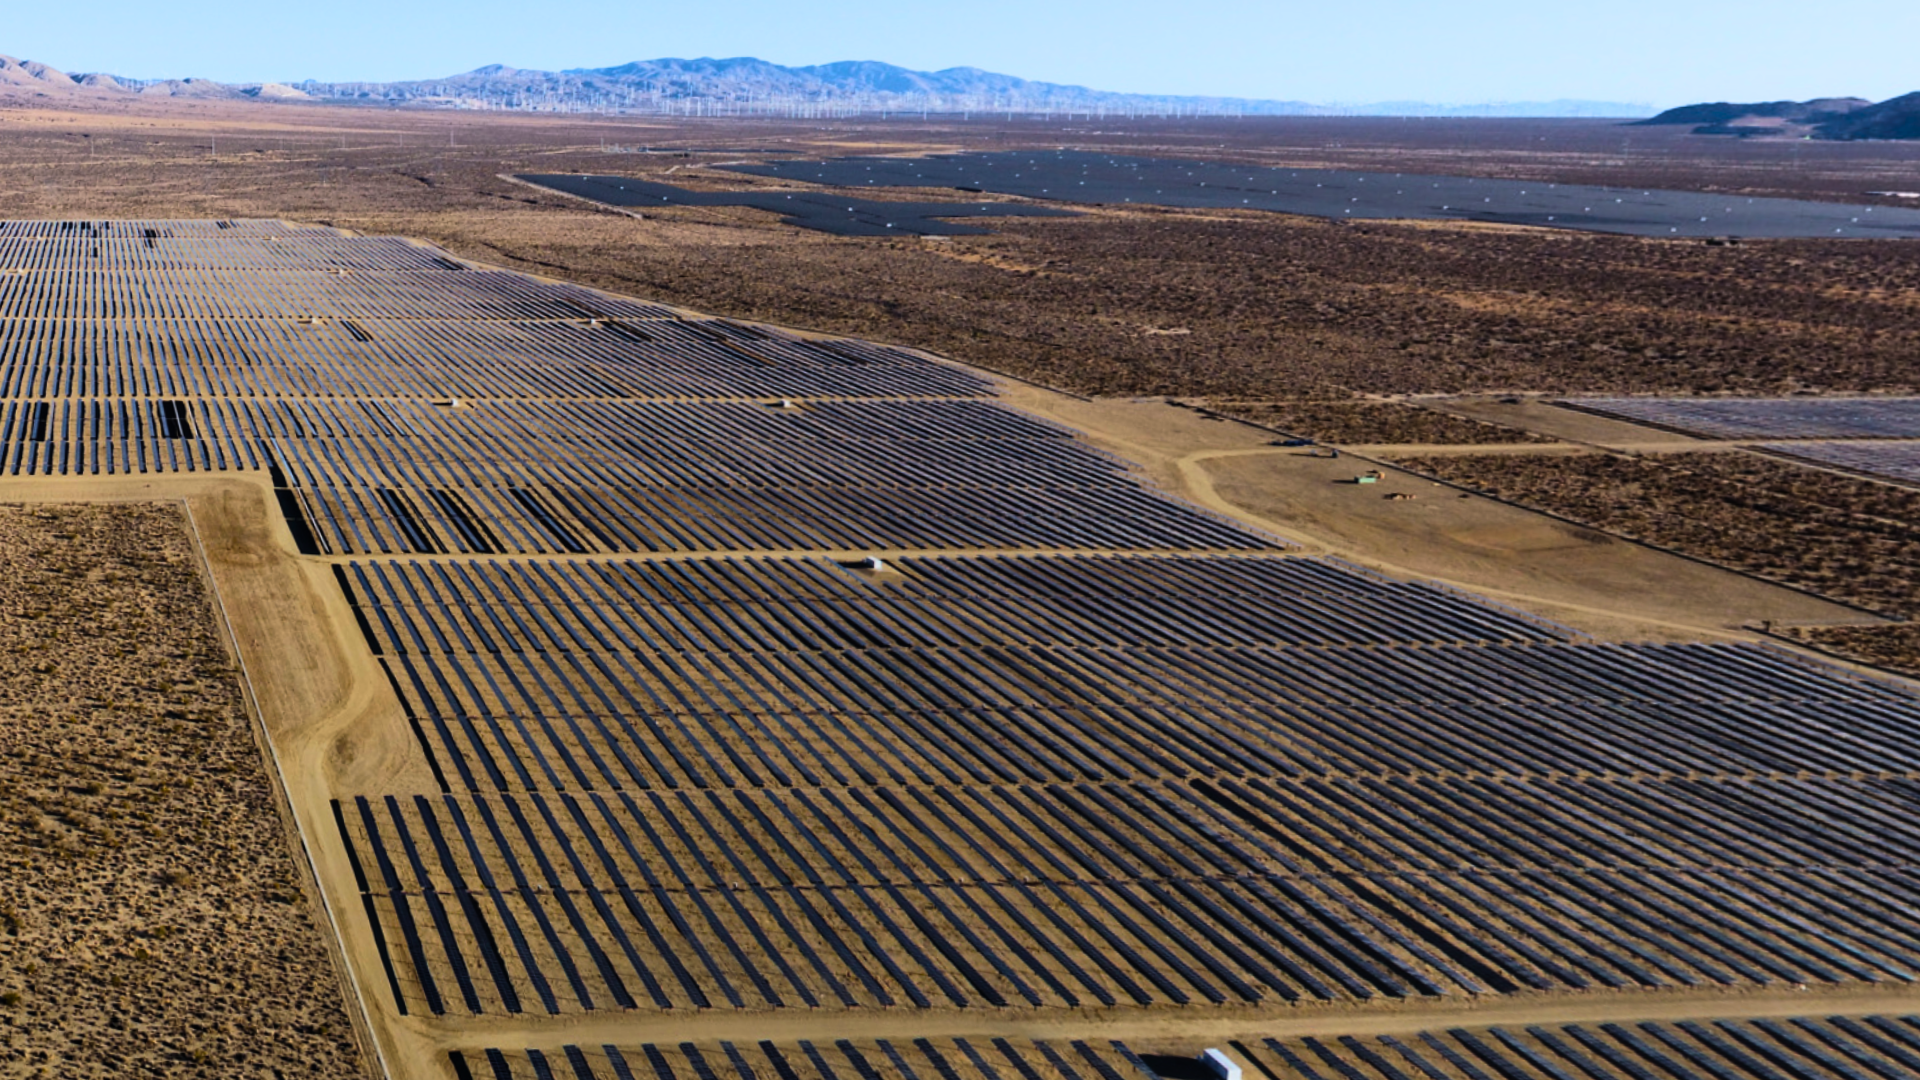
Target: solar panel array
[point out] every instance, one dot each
(945, 1059)
(1054, 781)
(1877, 437)
(1074, 744)
(1085, 176)
(1803, 1048)
(1895, 461)
(392, 353)
(1851, 1047)
(826, 212)
(1769, 418)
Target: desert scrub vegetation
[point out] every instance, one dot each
(1206, 305)
(151, 919)
(1374, 422)
(1895, 647)
(1850, 539)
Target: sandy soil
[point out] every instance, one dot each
(1147, 1025)
(1542, 416)
(152, 920)
(332, 719)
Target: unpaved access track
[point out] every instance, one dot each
(1581, 577)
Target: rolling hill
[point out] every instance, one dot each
(1844, 118)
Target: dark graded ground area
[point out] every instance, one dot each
(1078, 176)
(839, 215)
(1849, 539)
(151, 921)
(1359, 423)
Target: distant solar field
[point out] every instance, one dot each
(1769, 418)
(837, 214)
(1083, 177)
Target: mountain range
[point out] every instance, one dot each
(1844, 118)
(748, 86)
(752, 86)
(35, 77)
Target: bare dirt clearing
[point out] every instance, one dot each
(1582, 577)
(1353, 423)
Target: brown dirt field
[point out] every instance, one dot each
(1363, 423)
(1542, 417)
(152, 920)
(1173, 1027)
(1275, 307)
(1854, 540)
(335, 725)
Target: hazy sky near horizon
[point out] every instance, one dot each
(1657, 52)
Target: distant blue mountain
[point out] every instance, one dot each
(747, 86)
(744, 85)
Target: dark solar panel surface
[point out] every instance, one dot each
(835, 214)
(1769, 418)
(1079, 176)
(1896, 461)
(1882, 1047)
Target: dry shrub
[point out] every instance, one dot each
(1371, 422)
(1894, 647)
(145, 872)
(1849, 539)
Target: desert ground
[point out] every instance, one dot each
(154, 918)
(1199, 349)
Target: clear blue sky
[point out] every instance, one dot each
(1660, 52)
